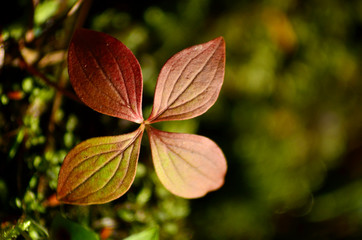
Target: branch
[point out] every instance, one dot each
(32, 70)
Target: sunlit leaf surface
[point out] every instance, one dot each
(99, 170)
(188, 165)
(148, 234)
(189, 83)
(106, 75)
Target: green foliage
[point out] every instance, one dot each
(27, 228)
(62, 228)
(149, 234)
(44, 10)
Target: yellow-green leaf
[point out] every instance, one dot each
(100, 169)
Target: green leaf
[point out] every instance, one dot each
(63, 228)
(99, 170)
(149, 234)
(188, 165)
(189, 82)
(44, 10)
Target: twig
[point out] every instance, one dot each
(32, 70)
(74, 18)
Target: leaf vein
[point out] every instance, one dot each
(105, 94)
(161, 111)
(126, 172)
(119, 152)
(90, 176)
(121, 72)
(162, 167)
(185, 160)
(199, 94)
(107, 77)
(192, 81)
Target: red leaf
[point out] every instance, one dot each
(99, 170)
(187, 165)
(105, 75)
(189, 83)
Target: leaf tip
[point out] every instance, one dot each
(219, 40)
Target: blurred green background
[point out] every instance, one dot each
(289, 119)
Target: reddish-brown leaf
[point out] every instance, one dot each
(105, 75)
(189, 83)
(99, 170)
(187, 165)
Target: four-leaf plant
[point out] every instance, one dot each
(107, 77)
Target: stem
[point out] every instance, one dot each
(25, 235)
(70, 21)
(32, 70)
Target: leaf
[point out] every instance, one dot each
(105, 75)
(63, 228)
(148, 234)
(99, 170)
(189, 83)
(187, 165)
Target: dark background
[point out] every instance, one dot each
(288, 118)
